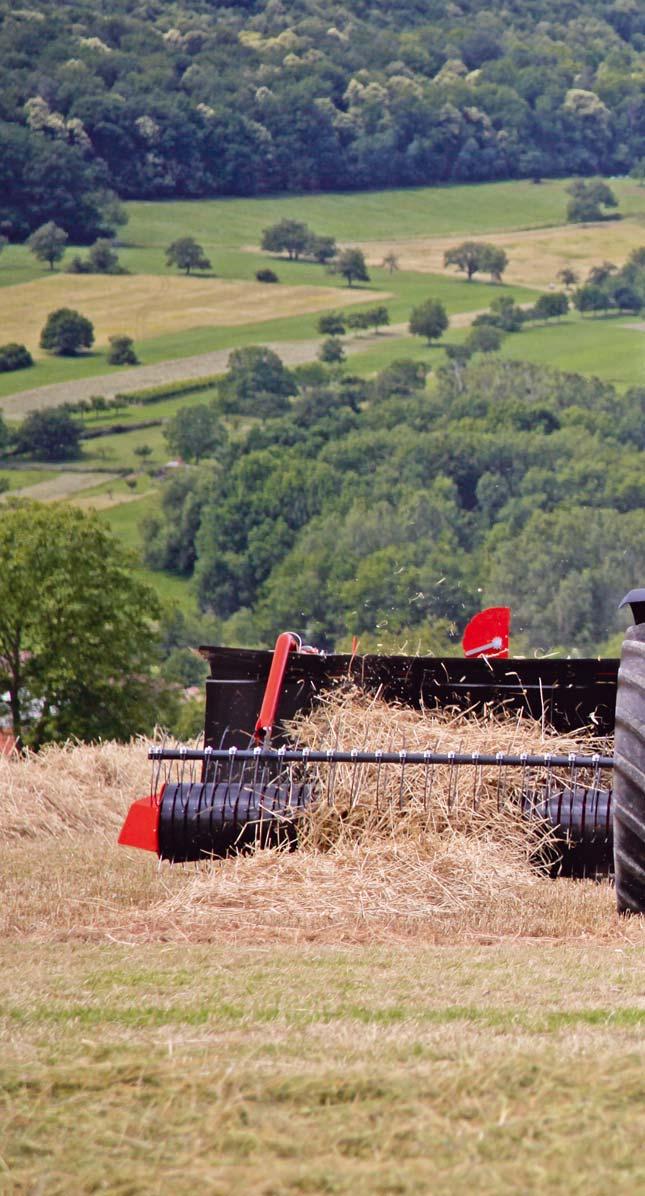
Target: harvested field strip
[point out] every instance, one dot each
(147, 305)
(63, 485)
(450, 875)
(326, 1070)
(535, 255)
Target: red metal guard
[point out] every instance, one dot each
(284, 645)
(488, 633)
(141, 826)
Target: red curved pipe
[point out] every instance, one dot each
(284, 645)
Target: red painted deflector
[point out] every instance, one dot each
(284, 644)
(488, 633)
(141, 826)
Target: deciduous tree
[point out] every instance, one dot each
(550, 306)
(589, 198)
(351, 264)
(49, 435)
(66, 331)
(121, 351)
(474, 256)
(287, 236)
(48, 242)
(187, 254)
(195, 432)
(331, 351)
(429, 319)
(77, 642)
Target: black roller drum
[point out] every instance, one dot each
(219, 819)
(581, 818)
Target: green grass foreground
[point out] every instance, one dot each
(361, 1070)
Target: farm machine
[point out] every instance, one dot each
(250, 783)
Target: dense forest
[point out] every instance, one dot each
(140, 98)
(394, 511)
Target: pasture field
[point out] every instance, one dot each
(612, 349)
(375, 215)
(395, 1015)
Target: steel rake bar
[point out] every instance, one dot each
(261, 755)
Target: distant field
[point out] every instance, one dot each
(606, 348)
(64, 484)
(535, 256)
(147, 306)
(406, 290)
(378, 215)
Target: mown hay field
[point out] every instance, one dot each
(535, 256)
(150, 305)
(399, 1007)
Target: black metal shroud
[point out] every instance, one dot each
(568, 694)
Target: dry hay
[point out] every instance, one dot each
(535, 255)
(381, 862)
(372, 799)
(71, 789)
(442, 872)
(150, 305)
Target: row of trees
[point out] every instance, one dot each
(261, 98)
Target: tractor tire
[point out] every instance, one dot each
(629, 776)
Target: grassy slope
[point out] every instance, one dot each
(377, 215)
(606, 348)
(401, 1070)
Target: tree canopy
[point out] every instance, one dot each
(76, 639)
(383, 508)
(187, 254)
(429, 319)
(260, 97)
(66, 332)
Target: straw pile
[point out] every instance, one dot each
(368, 801)
(70, 789)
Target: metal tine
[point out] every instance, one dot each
(426, 778)
(354, 789)
(379, 765)
(451, 773)
(574, 784)
(403, 756)
(477, 773)
(499, 782)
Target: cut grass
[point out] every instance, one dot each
(475, 1051)
(327, 1070)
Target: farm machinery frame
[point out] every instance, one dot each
(249, 785)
